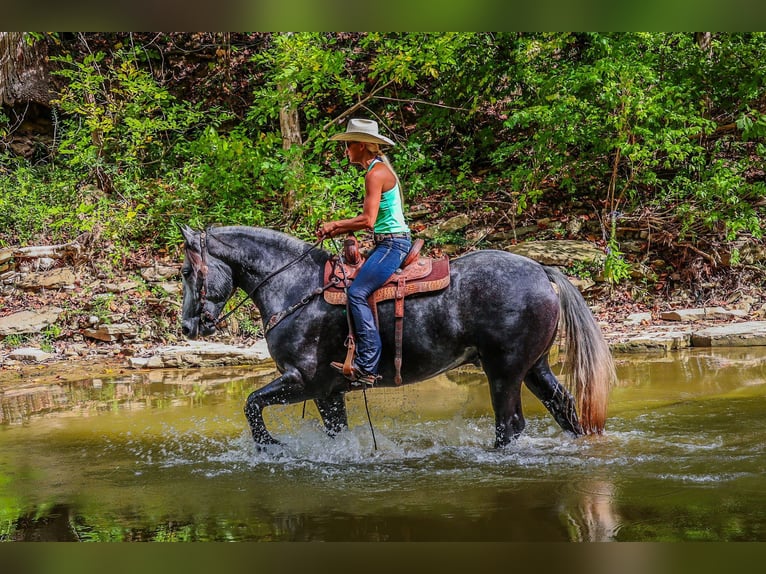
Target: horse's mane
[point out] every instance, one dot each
(282, 241)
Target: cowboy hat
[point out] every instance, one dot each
(359, 130)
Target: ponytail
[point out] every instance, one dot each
(375, 148)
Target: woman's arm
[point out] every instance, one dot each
(374, 182)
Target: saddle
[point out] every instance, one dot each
(416, 275)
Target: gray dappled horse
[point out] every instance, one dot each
(500, 311)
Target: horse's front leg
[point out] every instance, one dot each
(286, 389)
(332, 409)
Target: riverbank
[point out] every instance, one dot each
(639, 333)
(70, 307)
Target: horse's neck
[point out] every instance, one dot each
(261, 255)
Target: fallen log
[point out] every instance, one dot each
(73, 249)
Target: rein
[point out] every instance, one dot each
(282, 314)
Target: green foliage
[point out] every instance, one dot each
(301, 70)
(583, 270)
(50, 334)
(616, 269)
(43, 200)
(600, 121)
(752, 123)
(619, 120)
(451, 238)
(117, 117)
(14, 340)
(101, 307)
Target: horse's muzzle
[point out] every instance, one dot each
(190, 328)
(208, 329)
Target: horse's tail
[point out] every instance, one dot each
(587, 358)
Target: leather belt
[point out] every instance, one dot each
(381, 236)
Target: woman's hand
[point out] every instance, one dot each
(328, 229)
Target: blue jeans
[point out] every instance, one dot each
(384, 259)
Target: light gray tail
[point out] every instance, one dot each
(588, 358)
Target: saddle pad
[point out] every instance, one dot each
(422, 276)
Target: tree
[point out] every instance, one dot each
(23, 70)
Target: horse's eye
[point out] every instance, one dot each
(185, 272)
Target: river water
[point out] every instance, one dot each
(165, 456)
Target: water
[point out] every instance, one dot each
(166, 456)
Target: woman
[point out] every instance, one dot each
(382, 212)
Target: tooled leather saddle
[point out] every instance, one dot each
(416, 275)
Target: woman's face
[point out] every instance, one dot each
(354, 152)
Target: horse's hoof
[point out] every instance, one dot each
(265, 440)
(271, 448)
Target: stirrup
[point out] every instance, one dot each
(357, 376)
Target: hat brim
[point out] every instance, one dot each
(361, 137)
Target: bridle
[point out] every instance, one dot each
(204, 314)
(276, 318)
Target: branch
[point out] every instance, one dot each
(425, 103)
(700, 252)
(357, 105)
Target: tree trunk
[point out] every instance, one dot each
(704, 41)
(289, 121)
(290, 126)
(23, 70)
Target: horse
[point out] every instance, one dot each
(500, 311)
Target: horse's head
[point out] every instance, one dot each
(207, 285)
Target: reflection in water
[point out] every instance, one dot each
(166, 456)
(145, 389)
(593, 516)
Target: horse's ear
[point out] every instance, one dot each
(189, 236)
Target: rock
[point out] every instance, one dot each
(638, 319)
(582, 284)
(203, 354)
(446, 227)
(45, 263)
(747, 334)
(6, 254)
(121, 287)
(25, 322)
(112, 332)
(574, 225)
(159, 273)
(30, 355)
(752, 254)
(742, 303)
(652, 341)
(513, 234)
(153, 362)
(8, 277)
(562, 252)
(699, 314)
(53, 279)
(170, 288)
(477, 235)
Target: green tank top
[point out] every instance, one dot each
(390, 214)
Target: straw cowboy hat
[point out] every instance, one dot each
(358, 130)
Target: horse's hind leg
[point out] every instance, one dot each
(506, 402)
(333, 412)
(505, 391)
(546, 387)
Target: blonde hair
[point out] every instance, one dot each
(375, 149)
